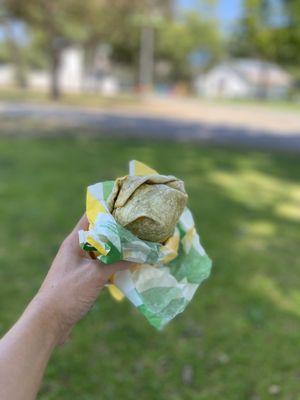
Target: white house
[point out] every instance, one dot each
(244, 78)
(73, 75)
(7, 75)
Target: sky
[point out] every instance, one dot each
(227, 10)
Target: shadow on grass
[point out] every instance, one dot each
(136, 125)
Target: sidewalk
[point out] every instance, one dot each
(250, 116)
(188, 120)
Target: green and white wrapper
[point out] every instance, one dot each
(166, 277)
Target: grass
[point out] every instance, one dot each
(280, 105)
(73, 99)
(238, 339)
(126, 99)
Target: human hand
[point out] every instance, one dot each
(72, 284)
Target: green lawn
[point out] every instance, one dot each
(95, 100)
(72, 99)
(240, 336)
(272, 104)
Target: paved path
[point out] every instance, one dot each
(137, 123)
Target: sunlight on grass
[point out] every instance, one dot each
(262, 228)
(249, 186)
(288, 210)
(265, 286)
(295, 193)
(259, 190)
(256, 235)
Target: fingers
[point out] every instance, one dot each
(72, 240)
(83, 223)
(108, 270)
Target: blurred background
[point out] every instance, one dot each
(206, 90)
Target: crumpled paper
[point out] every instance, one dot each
(166, 277)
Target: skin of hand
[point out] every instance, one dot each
(73, 282)
(69, 290)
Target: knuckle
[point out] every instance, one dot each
(67, 242)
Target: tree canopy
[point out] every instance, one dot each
(54, 24)
(270, 30)
(177, 40)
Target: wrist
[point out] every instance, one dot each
(49, 318)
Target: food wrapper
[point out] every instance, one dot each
(165, 276)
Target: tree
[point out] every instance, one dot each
(254, 34)
(130, 18)
(113, 22)
(287, 36)
(177, 40)
(154, 11)
(58, 23)
(55, 24)
(11, 49)
(262, 33)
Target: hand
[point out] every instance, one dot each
(68, 292)
(72, 284)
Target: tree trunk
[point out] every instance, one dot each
(146, 58)
(55, 88)
(50, 10)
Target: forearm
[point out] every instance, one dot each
(69, 290)
(25, 351)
